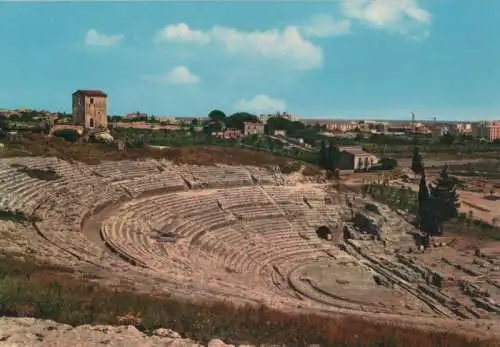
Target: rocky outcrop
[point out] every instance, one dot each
(368, 223)
(16, 332)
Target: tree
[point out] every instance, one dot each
(329, 156)
(447, 139)
(388, 163)
(4, 124)
(213, 127)
(426, 212)
(445, 196)
(237, 120)
(115, 118)
(68, 134)
(278, 122)
(217, 116)
(46, 126)
(333, 157)
(417, 165)
(322, 156)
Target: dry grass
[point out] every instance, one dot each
(310, 170)
(93, 153)
(44, 291)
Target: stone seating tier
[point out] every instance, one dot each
(256, 211)
(164, 182)
(126, 169)
(244, 196)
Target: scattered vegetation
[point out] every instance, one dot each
(417, 165)
(44, 175)
(44, 291)
(68, 134)
(93, 153)
(397, 198)
(388, 163)
(488, 169)
(16, 216)
(467, 225)
(329, 156)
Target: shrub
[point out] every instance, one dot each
(290, 167)
(44, 175)
(68, 134)
(310, 170)
(14, 216)
(388, 163)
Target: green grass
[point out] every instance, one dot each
(14, 216)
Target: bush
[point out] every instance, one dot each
(388, 163)
(396, 198)
(44, 175)
(67, 134)
(290, 167)
(16, 216)
(310, 170)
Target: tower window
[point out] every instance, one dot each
(91, 101)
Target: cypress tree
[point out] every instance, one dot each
(333, 155)
(322, 159)
(417, 165)
(445, 196)
(426, 213)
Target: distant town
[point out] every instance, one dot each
(95, 102)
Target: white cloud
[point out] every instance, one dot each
(260, 104)
(94, 38)
(182, 33)
(394, 15)
(178, 75)
(326, 26)
(285, 45)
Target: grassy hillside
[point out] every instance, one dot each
(93, 153)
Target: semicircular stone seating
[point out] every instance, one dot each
(235, 230)
(242, 233)
(239, 231)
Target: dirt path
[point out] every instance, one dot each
(92, 225)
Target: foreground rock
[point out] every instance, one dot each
(37, 332)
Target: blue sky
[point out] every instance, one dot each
(342, 59)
